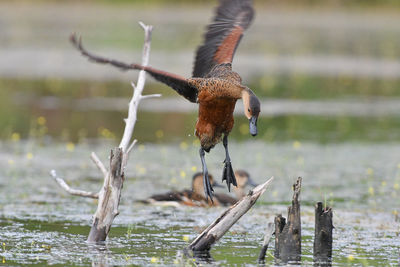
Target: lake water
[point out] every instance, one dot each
(42, 224)
(328, 80)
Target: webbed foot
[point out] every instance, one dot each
(228, 174)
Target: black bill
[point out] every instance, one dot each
(253, 126)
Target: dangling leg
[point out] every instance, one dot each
(228, 173)
(206, 181)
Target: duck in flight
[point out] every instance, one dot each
(213, 85)
(195, 196)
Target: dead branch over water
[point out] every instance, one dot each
(222, 224)
(109, 198)
(70, 190)
(110, 194)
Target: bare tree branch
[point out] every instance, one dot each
(70, 190)
(221, 225)
(110, 193)
(98, 163)
(137, 92)
(126, 155)
(131, 146)
(150, 96)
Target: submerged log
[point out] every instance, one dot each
(288, 234)
(323, 235)
(203, 242)
(267, 237)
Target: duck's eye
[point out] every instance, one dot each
(248, 109)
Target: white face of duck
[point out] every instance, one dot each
(198, 185)
(251, 109)
(243, 179)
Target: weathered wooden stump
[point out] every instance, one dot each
(288, 234)
(109, 198)
(323, 235)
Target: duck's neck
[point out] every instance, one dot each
(246, 94)
(197, 187)
(239, 192)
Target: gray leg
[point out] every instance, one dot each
(206, 181)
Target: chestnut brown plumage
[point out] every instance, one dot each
(214, 86)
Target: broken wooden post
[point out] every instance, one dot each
(323, 235)
(288, 234)
(269, 231)
(220, 226)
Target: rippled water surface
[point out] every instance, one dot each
(41, 224)
(328, 82)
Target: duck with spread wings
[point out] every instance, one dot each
(213, 85)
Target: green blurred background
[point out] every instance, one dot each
(335, 52)
(327, 73)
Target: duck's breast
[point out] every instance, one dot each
(215, 118)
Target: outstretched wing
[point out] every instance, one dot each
(223, 35)
(176, 82)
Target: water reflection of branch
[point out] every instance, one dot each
(100, 253)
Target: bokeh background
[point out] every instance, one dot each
(328, 70)
(328, 75)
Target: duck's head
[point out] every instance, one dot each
(198, 185)
(251, 109)
(243, 179)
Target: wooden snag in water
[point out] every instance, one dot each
(267, 237)
(204, 241)
(288, 234)
(323, 235)
(110, 193)
(109, 197)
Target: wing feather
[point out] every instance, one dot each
(223, 35)
(176, 82)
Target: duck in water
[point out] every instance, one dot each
(213, 85)
(196, 197)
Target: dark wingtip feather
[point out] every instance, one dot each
(230, 15)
